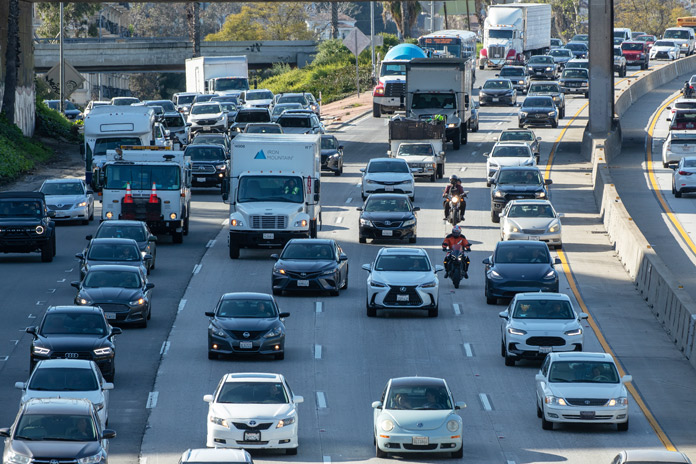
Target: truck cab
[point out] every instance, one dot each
(389, 94)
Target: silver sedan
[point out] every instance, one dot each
(531, 220)
(71, 199)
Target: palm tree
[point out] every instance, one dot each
(11, 60)
(404, 14)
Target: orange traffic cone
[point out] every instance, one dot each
(153, 195)
(129, 196)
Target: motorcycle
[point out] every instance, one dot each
(688, 90)
(456, 265)
(455, 213)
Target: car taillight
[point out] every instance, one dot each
(379, 91)
(685, 173)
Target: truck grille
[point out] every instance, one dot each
(496, 51)
(203, 169)
(269, 222)
(394, 89)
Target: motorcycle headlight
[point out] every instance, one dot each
(494, 274)
(218, 421)
(574, 332)
(365, 222)
(138, 302)
(274, 332)
(81, 204)
(387, 425)
(514, 331)
(621, 401)
(550, 275)
(555, 400)
(94, 459)
(13, 457)
(455, 200)
(285, 422)
(409, 222)
(431, 284)
(41, 350)
(452, 425)
(499, 194)
(105, 351)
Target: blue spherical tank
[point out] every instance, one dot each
(405, 52)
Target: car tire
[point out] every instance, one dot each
(677, 193)
(91, 216)
(539, 413)
(371, 312)
(149, 313)
(379, 453)
(280, 357)
(291, 451)
(362, 239)
(457, 140)
(502, 348)
(185, 229)
(337, 173)
(111, 375)
(554, 124)
(364, 197)
(345, 284)
(546, 425)
(335, 292)
(413, 198)
(412, 239)
(178, 237)
(464, 135)
(48, 250)
(509, 360)
(433, 312)
(665, 165)
(234, 250)
(440, 171)
(276, 292)
(376, 110)
(85, 222)
(459, 453)
(212, 355)
(495, 217)
(563, 112)
(434, 176)
(623, 426)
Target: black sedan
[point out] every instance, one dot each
(579, 49)
(75, 332)
(520, 266)
(542, 67)
(498, 91)
(136, 230)
(331, 155)
(246, 323)
(112, 251)
(540, 110)
(388, 215)
(310, 264)
(122, 292)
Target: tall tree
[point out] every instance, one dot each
(76, 16)
(334, 20)
(266, 21)
(156, 19)
(651, 16)
(214, 15)
(404, 15)
(11, 60)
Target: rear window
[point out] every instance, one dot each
(632, 46)
(253, 116)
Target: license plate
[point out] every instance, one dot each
(268, 236)
(388, 188)
(495, 99)
(200, 179)
(539, 72)
(110, 315)
(419, 441)
(544, 349)
(387, 233)
(587, 414)
(534, 237)
(401, 297)
(303, 283)
(246, 345)
(252, 436)
(206, 127)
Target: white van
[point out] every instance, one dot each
(624, 33)
(682, 36)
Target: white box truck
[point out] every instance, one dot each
(513, 32)
(217, 74)
(273, 189)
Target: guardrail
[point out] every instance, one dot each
(670, 303)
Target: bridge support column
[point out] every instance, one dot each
(601, 67)
(25, 107)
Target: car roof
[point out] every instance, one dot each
(73, 308)
(216, 455)
(209, 102)
(387, 195)
(246, 295)
(323, 241)
(417, 381)
(530, 202)
(115, 241)
(519, 168)
(113, 267)
(62, 363)
(252, 377)
(512, 143)
(580, 356)
(121, 222)
(288, 114)
(217, 146)
(254, 110)
(514, 129)
(402, 251)
(517, 243)
(542, 296)
(391, 160)
(57, 406)
(654, 455)
(173, 113)
(66, 180)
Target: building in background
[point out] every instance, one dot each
(321, 25)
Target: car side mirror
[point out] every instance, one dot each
(152, 239)
(460, 405)
(297, 399)
(149, 286)
(627, 378)
(116, 331)
(367, 267)
(208, 398)
(210, 313)
(275, 256)
(376, 404)
(669, 107)
(80, 255)
(146, 257)
(108, 386)
(88, 237)
(668, 119)
(538, 139)
(503, 315)
(283, 315)
(90, 192)
(108, 433)
(20, 385)
(31, 330)
(539, 377)
(439, 268)
(583, 316)
(75, 284)
(557, 261)
(673, 167)
(51, 214)
(416, 208)
(340, 147)
(548, 182)
(362, 169)
(497, 75)
(487, 261)
(359, 208)
(343, 257)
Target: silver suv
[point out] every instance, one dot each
(619, 62)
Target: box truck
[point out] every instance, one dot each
(222, 75)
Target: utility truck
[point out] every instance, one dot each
(273, 189)
(150, 184)
(420, 143)
(440, 89)
(513, 32)
(389, 94)
(223, 75)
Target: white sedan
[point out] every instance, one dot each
(581, 388)
(253, 411)
(416, 415)
(402, 279)
(664, 50)
(387, 175)
(71, 199)
(684, 176)
(69, 378)
(508, 154)
(531, 220)
(536, 324)
(677, 145)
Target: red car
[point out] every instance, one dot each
(636, 53)
(648, 39)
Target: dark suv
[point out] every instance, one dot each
(516, 183)
(56, 430)
(210, 164)
(75, 332)
(26, 225)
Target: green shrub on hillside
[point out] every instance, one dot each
(50, 123)
(18, 154)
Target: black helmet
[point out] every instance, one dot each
(453, 179)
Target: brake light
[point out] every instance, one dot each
(685, 173)
(379, 90)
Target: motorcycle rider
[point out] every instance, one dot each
(456, 238)
(688, 90)
(454, 188)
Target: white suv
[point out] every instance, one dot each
(402, 278)
(536, 324)
(508, 154)
(684, 37)
(207, 117)
(387, 175)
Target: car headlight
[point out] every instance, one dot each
(494, 274)
(387, 425)
(552, 113)
(328, 272)
(407, 181)
(41, 350)
(513, 228)
(40, 230)
(451, 125)
(548, 68)
(94, 459)
(452, 425)
(81, 204)
(236, 223)
(374, 283)
(621, 401)
(555, 228)
(84, 301)
(13, 457)
(172, 216)
(499, 194)
(550, 399)
(220, 167)
(540, 195)
(584, 84)
(217, 331)
(409, 222)
(550, 275)
(482, 94)
(285, 422)
(138, 302)
(523, 114)
(301, 223)
(368, 181)
(218, 421)
(431, 284)
(530, 69)
(684, 45)
(521, 82)
(365, 222)
(274, 332)
(514, 331)
(574, 332)
(105, 351)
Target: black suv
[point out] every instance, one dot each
(75, 332)
(516, 183)
(210, 164)
(56, 430)
(26, 225)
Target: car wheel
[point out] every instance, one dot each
(178, 237)
(622, 427)
(412, 239)
(277, 292)
(677, 193)
(91, 216)
(491, 300)
(459, 453)
(502, 348)
(371, 312)
(111, 375)
(563, 112)
(546, 425)
(457, 140)
(48, 250)
(212, 355)
(665, 165)
(433, 312)
(495, 217)
(345, 284)
(539, 413)
(335, 292)
(291, 451)
(379, 453)
(554, 124)
(434, 176)
(149, 313)
(363, 196)
(154, 258)
(376, 110)
(234, 251)
(509, 360)
(280, 357)
(362, 239)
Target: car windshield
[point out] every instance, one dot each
(171, 122)
(387, 205)
(228, 107)
(252, 393)
(134, 232)
(253, 116)
(328, 143)
(270, 188)
(676, 34)
(519, 177)
(259, 95)
(124, 101)
(550, 88)
(541, 60)
(310, 251)
(665, 43)
(500, 34)
(497, 84)
(575, 73)
(301, 99)
(388, 166)
(531, 211)
(418, 397)
(63, 379)
(231, 83)
(543, 309)
(60, 427)
(207, 109)
(522, 254)
(634, 46)
(278, 109)
(265, 129)
(203, 98)
(645, 38)
(511, 72)
(514, 136)
(419, 149)
(295, 121)
(142, 177)
(392, 69)
(20, 208)
(246, 308)
(443, 101)
(402, 263)
(537, 102)
(504, 151)
(110, 143)
(184, 99)
(685, 105)
(561, 53)
(113, 252)
(62, 188)
(581, 37)
(73, 323)
(205, 153)
(583, 372)
(165, 104)
(113, 279)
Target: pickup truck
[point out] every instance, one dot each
(420, 143)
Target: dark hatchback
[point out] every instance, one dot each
(246, 323)
(519, 266)
(135, 230)
(542, 67)
(388, 215)
(209, 164)
(112, 251)
(310, 264)
(538, 111)
(331, 154)
(497, 91)
(75, 332)
(26, 225)
(122, 292)
(516, 183)
(56, 430)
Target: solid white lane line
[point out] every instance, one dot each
(467, 350)
(339, 219)
(182, 303)
(197, 268)
(152, 400)
(165, 348)
(317, 351)
(455, 306)
(349, 199)
(484, 401)
(210, 244)
(318, 306)
(321, 400)
(327, 459)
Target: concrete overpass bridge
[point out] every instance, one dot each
(166, 54)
